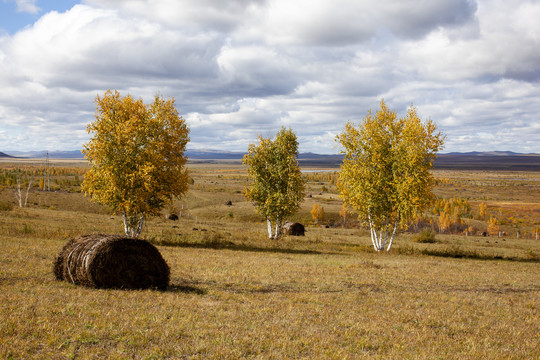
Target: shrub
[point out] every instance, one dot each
(426, 236)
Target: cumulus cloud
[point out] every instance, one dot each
(341, 22)
(507, 47)
(202, 15)
(246, 67)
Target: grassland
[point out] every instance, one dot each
(235, 294)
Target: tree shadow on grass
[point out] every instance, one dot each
(459, 253)
(229, 245)
(275, 288)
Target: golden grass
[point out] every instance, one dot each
(240, 304)
(235, 294)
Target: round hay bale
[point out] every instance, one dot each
(294, 229)
(112, 261)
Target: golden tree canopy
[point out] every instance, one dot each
(385, 175)
(277, 186)
(136, 155)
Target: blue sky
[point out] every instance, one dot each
(240, 68)
(16, 15)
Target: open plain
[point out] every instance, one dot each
(235, 294)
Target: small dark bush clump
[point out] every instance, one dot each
(426, 236)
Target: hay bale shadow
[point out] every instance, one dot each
(112, 261)
(187, 289)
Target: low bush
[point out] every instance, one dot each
(426, 236)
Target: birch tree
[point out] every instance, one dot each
(276, 185)
(136, 156)
(386, 171)
(19, 195)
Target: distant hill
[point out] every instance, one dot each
(486, 153)
(214, 155)
(4, 155)
(75, 154)
(231, 155)
(495, 160)
(492, 160)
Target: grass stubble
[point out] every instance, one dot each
(234, 294)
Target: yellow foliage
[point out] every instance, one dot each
(136, 154)
(276, 184)
(315, 212)
(386, 172)
(444, 221)
(493, 226)
(482, 211)
(344, 211)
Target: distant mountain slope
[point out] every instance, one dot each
(231, 155)
(486, 153)
(75, 154)
(488, 161)
(4, 155)
(493, 160)
(214, 155)
(453, 161)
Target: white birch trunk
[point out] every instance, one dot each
(277, 233)
(269, 225)
(133, 225)
(373, 234)
(140, 225)
(376, 238)
(380, 238)
(127, 228)
(18, 194)
(373, 237)
(392, 238)
(383, 237)
(27, 191)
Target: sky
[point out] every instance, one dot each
(242, 68)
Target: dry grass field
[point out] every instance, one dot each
(234, 294)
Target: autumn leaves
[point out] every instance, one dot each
(138, 165)
(386, 171)
(137, 157)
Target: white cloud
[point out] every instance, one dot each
(507, 46)
(342, 22)
(27, 6)
(202, 15)
(246, 67)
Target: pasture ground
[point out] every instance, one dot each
(235, 294)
